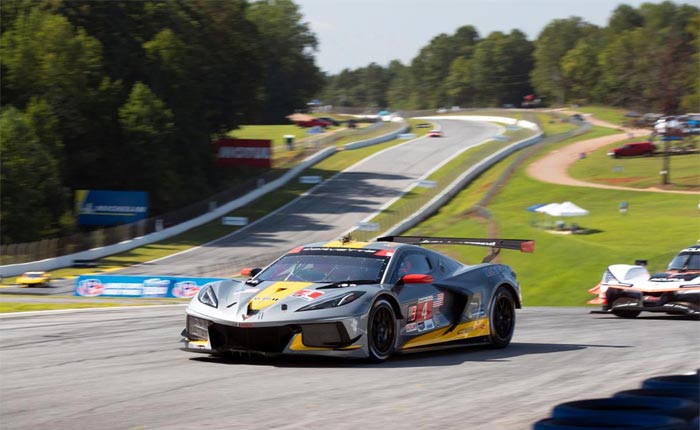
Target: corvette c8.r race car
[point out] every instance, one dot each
(627, 290)
(363, 300)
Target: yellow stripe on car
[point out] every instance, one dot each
(341, 244)
(465, 330)
(276, 292)
(298, 345)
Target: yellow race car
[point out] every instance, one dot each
(34, 279)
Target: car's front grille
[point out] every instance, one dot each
(262, 339)
(197, 328)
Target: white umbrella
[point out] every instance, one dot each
(567, 209)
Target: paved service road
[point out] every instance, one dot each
(122, 369)
(333, 207)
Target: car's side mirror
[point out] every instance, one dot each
(250, 272)
(416, 279)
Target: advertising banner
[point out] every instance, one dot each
(140, 286)
(102, 207)
(244, 152)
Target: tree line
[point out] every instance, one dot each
(130, 95)
(645, 59)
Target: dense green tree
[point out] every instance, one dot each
(287, 46)
(148, 130)
(32, 198)
(624, 18)
(399, 86)
(500, 67)
(581, 70)
(430, 69)
(552, 44)
(690, 101)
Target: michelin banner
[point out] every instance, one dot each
(102, 207)
(140, 286)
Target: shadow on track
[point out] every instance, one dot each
(446, 357)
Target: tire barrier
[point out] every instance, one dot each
(663, 402)
(619, 422)
(686, 385)
(658, 393)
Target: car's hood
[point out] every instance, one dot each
(238, 301)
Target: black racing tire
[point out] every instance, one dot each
(635, 408)
(381, 331)
(620, 422)
(625, 313)
(501, 318)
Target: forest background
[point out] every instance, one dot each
(130, 95)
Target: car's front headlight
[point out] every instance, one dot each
(208, 297)
(334, 303)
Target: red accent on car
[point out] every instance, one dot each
(417, 279)
(528, 246)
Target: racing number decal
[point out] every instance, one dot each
(422, 311)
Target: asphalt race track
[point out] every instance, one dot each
(122, 369)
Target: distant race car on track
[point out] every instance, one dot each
(360, 300)
(435, 133)
(627, 290)
(34, 279)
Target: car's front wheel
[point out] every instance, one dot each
(625, 313)
(502, 318)
(381, 331)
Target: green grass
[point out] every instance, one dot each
(612, 115)
(34, 303)
(638, 172)
(27, 307)
(284, 158)
(555, 123)
(563, 267)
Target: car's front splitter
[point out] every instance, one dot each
(675, 302)
(337, 338)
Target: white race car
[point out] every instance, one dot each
(627, 290)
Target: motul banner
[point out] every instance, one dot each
(244, 152)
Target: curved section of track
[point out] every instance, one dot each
(334, 206)
(122, 369)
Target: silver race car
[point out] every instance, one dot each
(360, 300)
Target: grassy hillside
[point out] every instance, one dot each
(564, 266)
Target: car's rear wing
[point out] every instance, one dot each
(522, 245)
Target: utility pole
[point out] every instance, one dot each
(671, 132)
(666, 163)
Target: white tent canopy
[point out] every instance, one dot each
(546, 208)
(562, 209)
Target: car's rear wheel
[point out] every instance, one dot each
(381, 331)
(502, 318)
(625, 313)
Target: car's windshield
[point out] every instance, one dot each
(685, 261)
(327, 266)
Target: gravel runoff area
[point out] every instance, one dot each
(553, 168)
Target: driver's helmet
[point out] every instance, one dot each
(405, 267)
